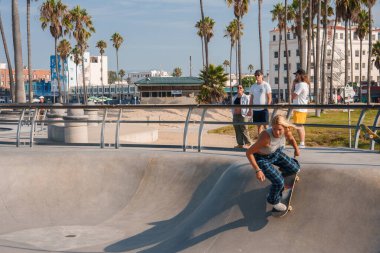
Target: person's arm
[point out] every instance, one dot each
(269, 98)
(297, 91)
(292, 141)
(262, 141)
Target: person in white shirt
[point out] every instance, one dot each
(240, 115)
(261, 94)
(300, 96)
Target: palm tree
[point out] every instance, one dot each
(240, 9)
(29, 50)
(83, 28)
(278, 14)
(64, 49)
(177, 72)
(55, 15)
(212, 90)
(232, 32)
(204, 44)
(317, 60)
(101, 44)
(10, 70)
(199, 26)
(376, 54)
(76, 57)
(287, 52)
(207, 30)
(250, 68)
(362, 19)
(117, 40)
(226, 63)
(260, 3)
(369, 4)
(20, 89)
(121, 74)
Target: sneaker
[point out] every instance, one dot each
(280, 207)
(238, 146)
(247, 146)
(302, 146)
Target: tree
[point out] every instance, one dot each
(199, 26)
(212, 90)
(204, 43)
(64, 49)
(240, 9)
(117, 40)
(29, 50)
(232, 32)
(362, 19)
(278, 14)
(112, 77)
(76, 57)
(226, 63)
(250, 68)
(247, 81)
(83, 28)
(20, 89)
(376, 54)
(369, 4)
(10, 70)
(177, 72)
(260, 3)
(102, 45)
(55, 15)
(206, 31)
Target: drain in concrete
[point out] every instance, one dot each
(71, 236)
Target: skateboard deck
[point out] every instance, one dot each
(287, 193)
(370, 134)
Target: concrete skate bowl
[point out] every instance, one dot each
(124, 201)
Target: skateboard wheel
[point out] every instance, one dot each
(290, 208)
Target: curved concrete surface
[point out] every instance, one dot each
(91, 200)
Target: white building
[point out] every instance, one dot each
(135, 76)
(339, 62)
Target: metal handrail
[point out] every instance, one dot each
(202, 122)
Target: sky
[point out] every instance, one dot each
(158, 34)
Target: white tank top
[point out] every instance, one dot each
(275, 143)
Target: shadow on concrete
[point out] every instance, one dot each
(213, 202)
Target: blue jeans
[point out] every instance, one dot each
(288, 166)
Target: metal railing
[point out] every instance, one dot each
(33, 112)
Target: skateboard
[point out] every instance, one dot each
(370, 134)
(287, 193)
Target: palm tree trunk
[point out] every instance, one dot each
(332, 63)
(300, 37)
(287, 54)
(369, 56)
(230, 72)
(57, 72)
(279, 67)
(63, 74)
(117, 74)
(345, 59)
(68, 84)
(29, 53)
(239, 50)
(10, 70)
(324, 62)
(260, 2)
(20, 89)
(352, 57)
(77, 88)
(84, 80)
(309, 37)
(203, 53)
(204, 39)
(101, 70)
(317, 62)
(360, 70)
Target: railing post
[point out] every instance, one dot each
(117, 139)
(357, 129)
(103, 128)
(186, 128)
(32, 127)
(201, 129)
(19, 128)
(289, 114)
(375, 122)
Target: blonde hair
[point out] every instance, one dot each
(281, 120)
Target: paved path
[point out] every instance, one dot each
(61, 199)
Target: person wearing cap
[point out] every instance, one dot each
(261, 94)
(300, 96)
(41, 99)
(240, 115)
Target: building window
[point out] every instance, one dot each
(329, 52)
(363, 65)
(312, 65)
(274, 37)
(285, 67)
(312, 79)
(329, 65)
(276, 67)
(276, 80)
(356, 53)
(298, 65)
(275, 54)
(297, 52)
(363, 78)
(336, 35)
(341, 36)
(288, 53)
(356, 66)
(356, 79)
(363, 52)
(285, 80)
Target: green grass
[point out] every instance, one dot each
(319, 136)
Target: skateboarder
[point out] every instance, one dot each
(268, 151)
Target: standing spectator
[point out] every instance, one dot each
(261, 94)
(300, 96)
(240, 115)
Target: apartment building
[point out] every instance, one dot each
(37, 75)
